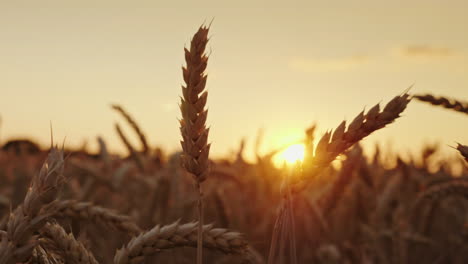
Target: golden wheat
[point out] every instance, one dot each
(71, 250)
(86, 211)
(463, 151)
(19, 239)
(444, 102)
(333, 144)
(131, 121)
(179, 235)
(192, 125)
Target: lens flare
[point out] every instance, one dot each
(290, 155)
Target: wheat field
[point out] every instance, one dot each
(336, 206)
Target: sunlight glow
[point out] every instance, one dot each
(291, 155)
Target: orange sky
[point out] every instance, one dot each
(273, 66)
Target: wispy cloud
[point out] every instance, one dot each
(426, 51)
(327, 65)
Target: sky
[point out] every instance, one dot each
(274, 66)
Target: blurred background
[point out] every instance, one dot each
(274, 67)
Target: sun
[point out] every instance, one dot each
(291, 155)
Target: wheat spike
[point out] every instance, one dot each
(70, 249)
(463, 149)
(125, 140)
(19, 240)
(41, 256)
(444, 102)
(86, 211)
(192, 125)
(133, 153)
(333, 144)
(442, 190)
(179, 235)
(131, 121)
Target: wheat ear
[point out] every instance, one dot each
(133, 153)
(125, 140)
(41, 256)
(463, 149)
(70, 249)
(442, 190)
(434, 193)
(179, 235)
(86, 211)
(131, 121)
(192, 125)
(444, 102)
(17, 243)
(333, 144)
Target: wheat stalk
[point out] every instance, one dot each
(131, 121)
(444, 102)
(125, 140)
(284, 228)
(133, 153)
(179, 235)
(86, 211)
(333, 144)
(70, 249)
(192, 125)
(19, 240)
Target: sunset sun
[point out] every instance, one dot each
(291, 154)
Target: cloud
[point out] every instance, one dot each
(327, 65)
(426, 51)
